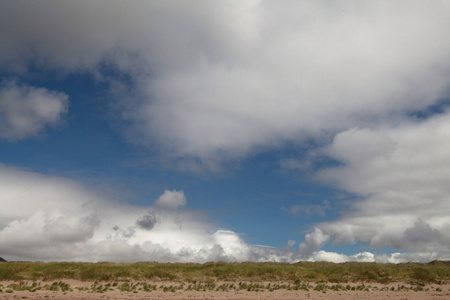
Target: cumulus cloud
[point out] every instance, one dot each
(313, 242)
(171, 199)
(340, 258)
(53, 218)
(26, 111)
(302, 76)
(58, 219)
(290, 244)
(402, 186)
(251, 75)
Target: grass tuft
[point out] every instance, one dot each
(210, 276)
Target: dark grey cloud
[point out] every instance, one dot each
(147, 222)
(423, 237)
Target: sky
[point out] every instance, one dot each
(252, 130)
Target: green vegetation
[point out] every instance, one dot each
(24, 286)
(137, 287)
(137, 277)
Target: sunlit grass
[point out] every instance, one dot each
(203, 276)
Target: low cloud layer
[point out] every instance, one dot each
(53, 218)
(57, 219)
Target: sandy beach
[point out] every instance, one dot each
(84, 290)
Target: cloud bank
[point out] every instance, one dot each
(57, 219)
(54, 218)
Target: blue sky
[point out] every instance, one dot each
(205, 131)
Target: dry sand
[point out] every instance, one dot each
(376, 292)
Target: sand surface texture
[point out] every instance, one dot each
(95, 290)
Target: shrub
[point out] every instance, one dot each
(423, 275)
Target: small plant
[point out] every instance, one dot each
(64, 286)
(146, 287)
(125, 287)
(223, 287)
(418, 288)
(53, 287)
(320, 287)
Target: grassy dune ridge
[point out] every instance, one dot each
(436, 272)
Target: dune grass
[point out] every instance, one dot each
(437, 272)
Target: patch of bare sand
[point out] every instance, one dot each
(83, 290)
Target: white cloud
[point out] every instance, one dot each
(340, 258)
(290, 244)
(400, 176)
(233, 247)
(302, 76)
(313, 242)
(224, 79)
(171, 199)
(57, 219)
(53, 219)
(329, 256)
(26, 111)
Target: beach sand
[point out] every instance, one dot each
(83, 290)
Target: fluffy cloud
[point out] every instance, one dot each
(302, 75)
(171, 199)
(26, 111)
(57, 219)
(53, 218)
(313, 242)
(400, 176)
(224, 79)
